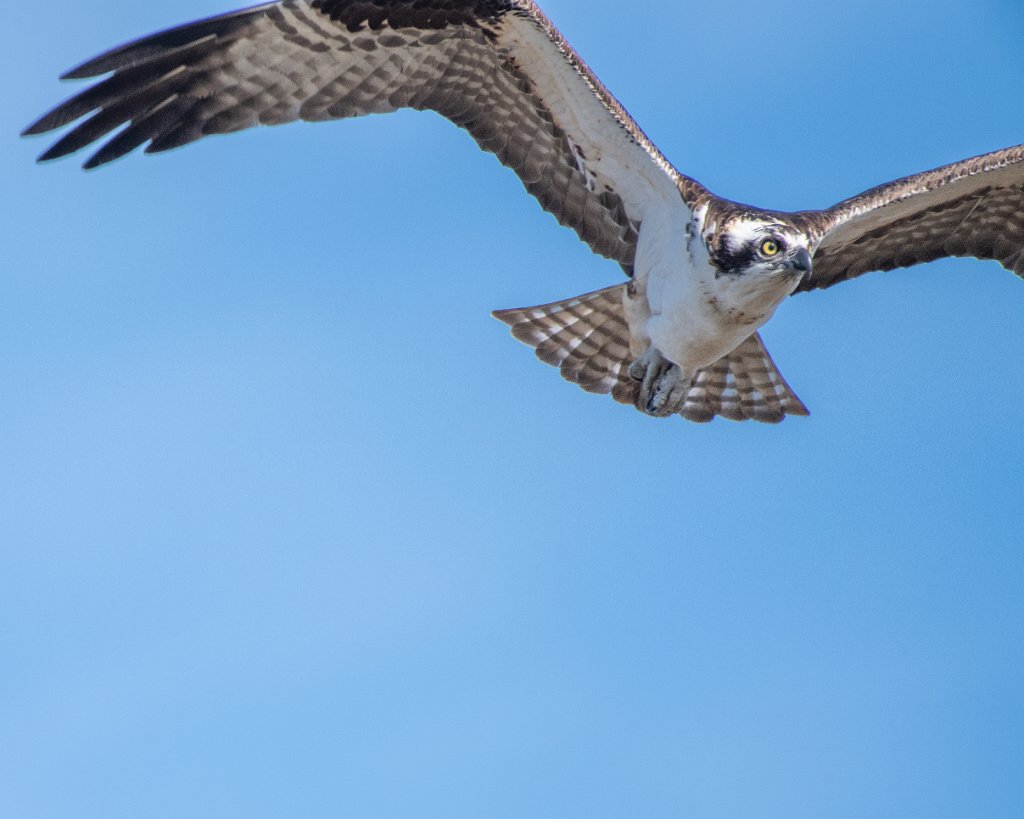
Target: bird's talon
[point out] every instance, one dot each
(663, 385)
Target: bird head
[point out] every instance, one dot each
(763, 250)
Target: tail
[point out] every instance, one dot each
(588, 339)
(745, 384)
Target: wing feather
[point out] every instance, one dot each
(497, 68)
(970, 208)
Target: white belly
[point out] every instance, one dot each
(694, 322)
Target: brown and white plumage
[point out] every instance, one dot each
(498, 68)
(970, 208)
(682, 338)
(588, 339)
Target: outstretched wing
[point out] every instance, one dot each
(497, 68)
(970, 208)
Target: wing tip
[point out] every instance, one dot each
(50, 121)
(35, 129)
(54, 152)
(160, 42)
(86, 70)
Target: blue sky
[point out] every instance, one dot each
(292, 527)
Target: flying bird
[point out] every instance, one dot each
(680, 336)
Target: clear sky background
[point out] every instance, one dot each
(292, 527)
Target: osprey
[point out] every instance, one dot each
(704, 273)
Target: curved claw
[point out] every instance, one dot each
(663, 385)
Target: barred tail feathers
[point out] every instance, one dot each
(588, 339)
(743, 385)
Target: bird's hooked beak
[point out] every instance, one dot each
(800, 264)
(800, 261)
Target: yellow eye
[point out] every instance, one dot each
(769, 247)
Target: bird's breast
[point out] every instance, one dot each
(696, 317)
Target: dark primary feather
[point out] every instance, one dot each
(325, 59)
(970, 208)
(164, 42)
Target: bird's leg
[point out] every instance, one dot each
(663, 385)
